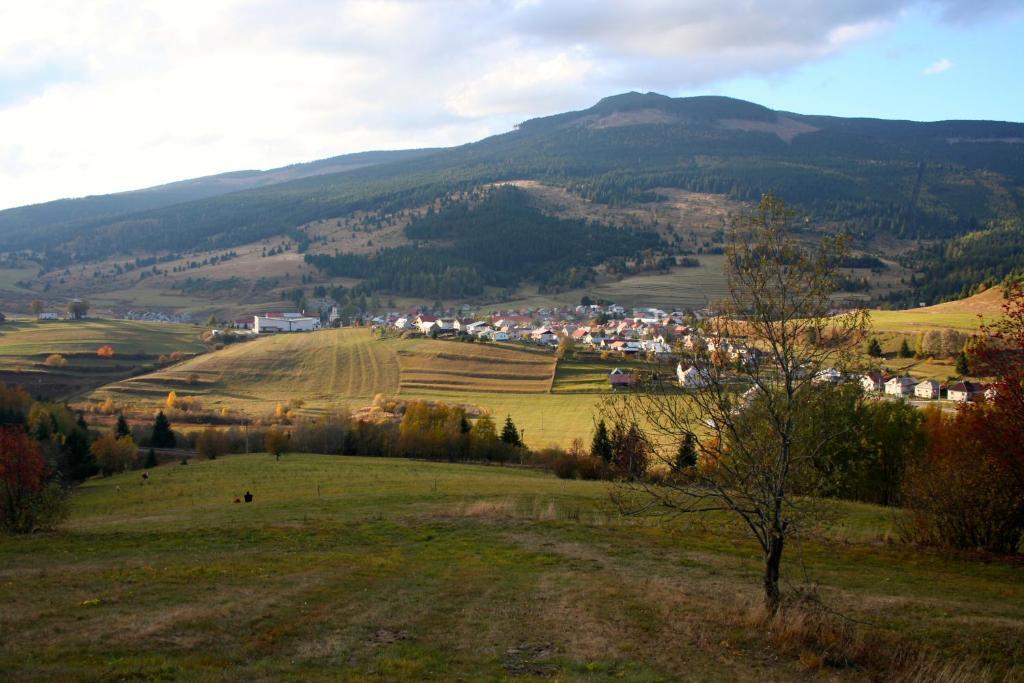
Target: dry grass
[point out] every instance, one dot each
(452, 366)
(821, 639)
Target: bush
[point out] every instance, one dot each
(574, 463)
(28, 501)
(105, 351)
(55, 360)
(212, 442)
(957, 491)
(114, 454)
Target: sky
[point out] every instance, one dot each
(101, 96)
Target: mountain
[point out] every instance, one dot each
(22, 224)
(876, 179)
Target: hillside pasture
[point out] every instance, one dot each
(680, 288)
(387, 570)
(964, 314)
(26, 344)
(329, 368)
(446, 366)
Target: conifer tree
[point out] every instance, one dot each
(162, 437)
(874, 348)
(601, 447)
(963, 367)
(122, 427)
(687, 456)
(509, 433)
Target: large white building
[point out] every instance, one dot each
(265, 324)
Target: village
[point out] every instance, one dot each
(614, 333)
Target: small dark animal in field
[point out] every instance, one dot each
(238, 500)
(248, 497)
(184, 461)
(145, 476)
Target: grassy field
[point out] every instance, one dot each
(433, 365)
(347, 367)
(964, 314)
(25, 345)
(680, 288)
(377, 569)
(331, 368)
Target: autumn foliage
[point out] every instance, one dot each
(967, 489)
(22, 476)
(105, 351)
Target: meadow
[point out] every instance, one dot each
(679, 288)
(348, 367)
(26, 344)
(963, 314)
(393, 570)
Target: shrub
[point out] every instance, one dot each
(26, 500)
(55, 360)
(212, 442)
(114, 454)
(957, 492)
(105, 351)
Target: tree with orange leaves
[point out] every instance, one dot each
(22, 476)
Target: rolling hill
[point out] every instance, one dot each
(896, 186)
(396, 570)
(347, 368)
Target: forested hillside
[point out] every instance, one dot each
(875, 179)
(498, 241)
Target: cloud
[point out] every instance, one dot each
(99, 97)
(938, 67)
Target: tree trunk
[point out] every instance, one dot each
(772, 564)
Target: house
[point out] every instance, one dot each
(495, 335)
(873, 382)
(544, 335)
(829, 375)
(477, 328)
(266, 324)
(245, 323)
(928, 389)
(962, 392)
(900, 386)
(48, 316)
(404, 324)
(691, 377)
(620, 378)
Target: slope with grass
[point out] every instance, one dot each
(962, 314)
(347, 367)
(26, 344)
(326, 368)
(376, 569)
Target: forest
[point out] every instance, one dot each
(499, 241)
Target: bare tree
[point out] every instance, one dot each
(749, 391)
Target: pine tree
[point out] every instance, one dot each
(162, 437)
(963, 367)
(150, 459)
(874, 348)
(687, 456)
(601, 447)
(905, 351)
(509, 433)
(122, 427)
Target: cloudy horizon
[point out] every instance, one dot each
(123, 95)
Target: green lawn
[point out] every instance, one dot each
(391, 570)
